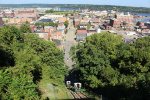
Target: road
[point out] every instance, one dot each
(68, 43)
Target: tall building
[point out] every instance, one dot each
(122, 19)
(26, 13)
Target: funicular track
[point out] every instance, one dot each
(78, 95)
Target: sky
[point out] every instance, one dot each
(136, 3)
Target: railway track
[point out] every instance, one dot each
(82, 96)
(78, 95)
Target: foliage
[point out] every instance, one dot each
(114, 68)
(25, 28)
(66, 23)
(60, 12)
(49, 11)
(26, 60)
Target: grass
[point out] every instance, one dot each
(53, 92)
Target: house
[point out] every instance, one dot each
(53, 17)
(81, 35)
(8, 13)
(76, 22)
(61, 27)
(33, 28)
(58, 35)
(143, 27)
(1, 14)
(82, 26)
(49, 30)
(91, 31)
(62, 19)
(84, 21)
(130, 33)
(19, 20)
(95, 20)
(42, 35)
(106, 26)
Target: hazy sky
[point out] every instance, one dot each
(139, 3)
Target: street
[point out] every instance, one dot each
(68, 43)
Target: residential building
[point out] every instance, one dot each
(62, 19)
(76, 22)
(61, 27)
(26, 13)
(8, 13)
(91, 31)
(49, 16)
(81, 35)
(18, 20)
(42, 35)
(58, 35)
(122, 20)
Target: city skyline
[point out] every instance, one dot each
(135, 3)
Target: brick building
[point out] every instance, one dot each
(26, 13)
(122, 20)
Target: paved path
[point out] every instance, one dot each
(68, 43)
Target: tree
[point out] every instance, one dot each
(25, 28)
(8, 34)
(66, 23)
(114, 68)
(49, 11)
(26, 60)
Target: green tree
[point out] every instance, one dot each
(66, 23)
(114, 68)
(25, 28)
(49, 11)
(26, 60)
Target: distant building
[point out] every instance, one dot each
(129, 33)
(26, 13)
(143, 27)
(1, 22)
(18, 20)
(8, 13)
(76, 22)
(48, 16)
(95, 20)
(62, 19)
(61, 27)
(45, 20)
(57, 35)
(81, 35)
(122, 20)
(84, 21)
(42, 35)
(1, 14)
(50, 30)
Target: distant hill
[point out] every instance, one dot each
(81, 6)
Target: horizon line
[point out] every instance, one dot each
(71, 4)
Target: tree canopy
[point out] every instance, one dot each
(25, 60)
(113, 68)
